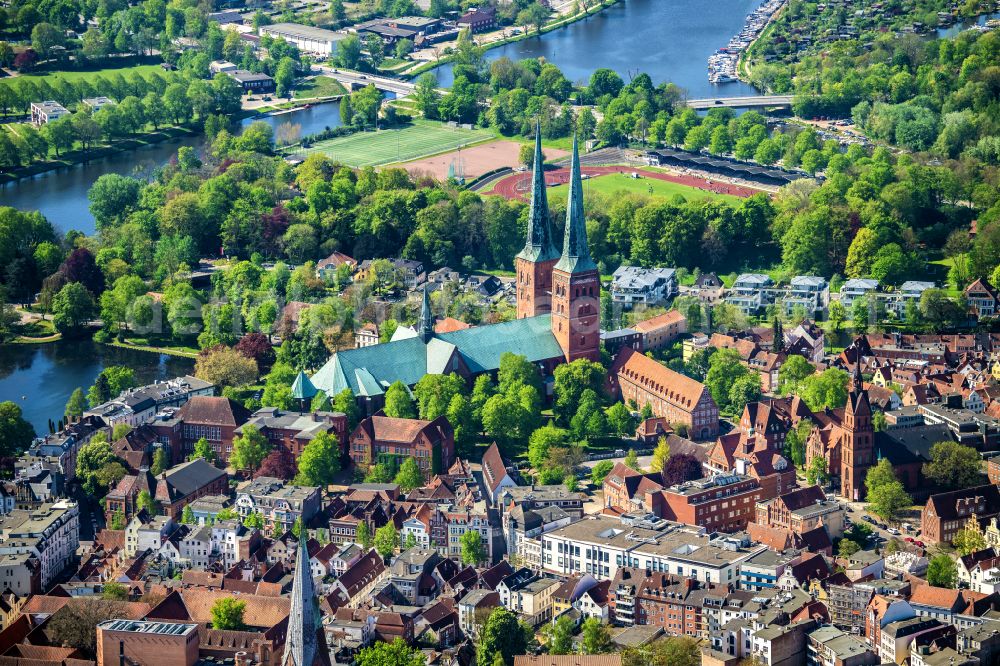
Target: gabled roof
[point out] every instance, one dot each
(676, 388)
(494, 469)
(214, 410)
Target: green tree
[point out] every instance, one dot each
(620, 419)
(227, 614)
(145, 501)
(599, 471)
(827, 389)
(254, 521)
(560, 635)
(202, 449)
(72, 308)
(632, 460)
(660, 455)
(473, 549)
(76, 404)
(596, 638)
(114, 591)
(847, 548)
(409, 476)
(16, 434)
(97, 467)
(249, 449)
(117, 520)
(970, 538)
(386, 539)
(347, 403)
(888, 499)
(744, 390)
(816, 472)
(501, 635)
(942, 571)
(320, 461)
(724, 368)
(792, 372)
(363, 535)
(398, 403)
(571, 380)
(953, 465)
(396, 653)
(187, 515)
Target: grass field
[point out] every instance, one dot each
(616, 182)
(142, 70)
(321, 86)
(421, 139)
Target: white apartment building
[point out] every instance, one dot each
(51, 533)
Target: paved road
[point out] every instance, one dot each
(349, 79)
(741, 102)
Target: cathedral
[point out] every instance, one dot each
(558, 313)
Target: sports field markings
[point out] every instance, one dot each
(417, 141)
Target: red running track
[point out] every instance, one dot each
(508, 187)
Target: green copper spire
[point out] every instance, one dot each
(538, 245)
(303, 388)
(575, 254)
(425, 327)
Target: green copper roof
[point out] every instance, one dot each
(368, 371)
(302, 388)
(575, 254)
(538, 244)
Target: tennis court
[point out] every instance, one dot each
(420, 139)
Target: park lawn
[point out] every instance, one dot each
(421, 139)
(321, 86)
(615, 182)
(75, 76)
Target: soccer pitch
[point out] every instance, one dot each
(413, 142)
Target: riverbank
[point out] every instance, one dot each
(75, 157)
(743, 64)
(179, 352)
(555, 25)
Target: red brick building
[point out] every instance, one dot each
(670, 603)
(131, 642)
(214, 418)
(721, 503)
(947, 513)
(661, 330)
(382, 438)
(294, 430)
(679, 399)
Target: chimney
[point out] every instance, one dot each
(241, 659)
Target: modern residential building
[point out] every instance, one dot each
(856, 288)
(46, 112)
(909, 292)
(808, 292)
(634, 285)
(749, 292)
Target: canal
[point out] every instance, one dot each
(40, 378)
(62, 195)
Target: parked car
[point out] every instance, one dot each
(867, 519)
(893, 531)
(918, 543)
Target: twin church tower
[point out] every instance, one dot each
(565, 286)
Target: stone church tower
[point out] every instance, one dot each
(857, 442)
(576, 285)
(533, 265)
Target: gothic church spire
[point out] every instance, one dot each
(576, 253)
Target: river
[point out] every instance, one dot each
(670, 41)
(40, 378)
(62, 195)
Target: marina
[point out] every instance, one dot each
(722, 64)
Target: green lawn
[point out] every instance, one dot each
(91, 75)
(421, 139)
(321, 86)
(616, 182)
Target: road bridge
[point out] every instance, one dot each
(750, 102)
(356, 80)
